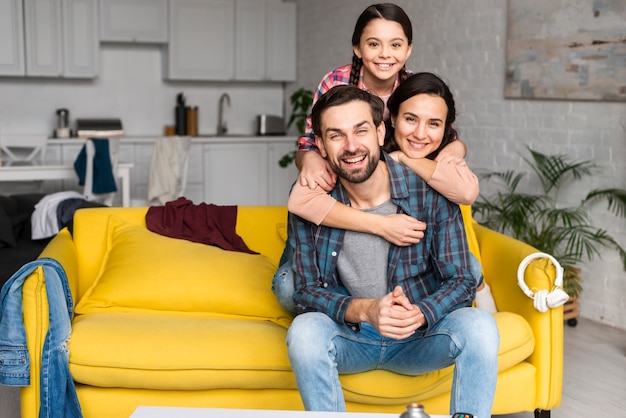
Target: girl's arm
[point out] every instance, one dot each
(318, 207)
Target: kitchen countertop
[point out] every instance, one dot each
(231, 138)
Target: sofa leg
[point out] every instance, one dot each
(540, 413)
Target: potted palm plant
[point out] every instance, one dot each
(567, 233)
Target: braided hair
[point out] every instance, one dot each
(387, 11)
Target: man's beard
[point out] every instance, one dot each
(355, 176)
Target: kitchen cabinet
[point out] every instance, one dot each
(11, 38)
(80, 39)
(247, 173)
(234, 174)
(242, 40)
(133, 21)
(201, 40)
(43, 30)
(61, 38)
(280, 179)
(281, 59)
(265, 40)
(222, 171)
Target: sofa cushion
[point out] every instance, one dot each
(144, 271)
(172, 351)
(516, 345)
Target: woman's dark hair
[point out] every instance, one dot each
(422, 83)
(342, 94)
(387, 11)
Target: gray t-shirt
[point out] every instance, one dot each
(362, 262)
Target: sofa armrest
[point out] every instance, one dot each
(501, 256)
(62, 249)
(35, 311)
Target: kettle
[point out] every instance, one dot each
(63, 124)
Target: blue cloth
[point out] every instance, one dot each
(435, 273)
(57, 390)
(103, 178)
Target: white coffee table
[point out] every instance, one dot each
(177, 412)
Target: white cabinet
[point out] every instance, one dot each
(280, 63)
(250, 39)
(80, 39)
(235, 174)
(61, 38)
(133, 21)
(280, 179)
(265, 40)
(244, 40)
(247, 173)
(11, 38)
(201, 41)
(43, 38)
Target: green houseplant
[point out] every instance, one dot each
(567, 233)
(301, 101)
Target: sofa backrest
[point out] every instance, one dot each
(263, 229)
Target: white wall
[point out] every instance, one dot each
(130, 87)
(464, 41)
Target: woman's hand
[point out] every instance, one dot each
(316, 172)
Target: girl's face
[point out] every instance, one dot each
(384, 49)
(420, 125)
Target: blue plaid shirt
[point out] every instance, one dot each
(434, 273)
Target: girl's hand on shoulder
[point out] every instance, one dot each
(316, 172)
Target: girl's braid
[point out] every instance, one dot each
(355, 72)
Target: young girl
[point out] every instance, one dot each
(418, 131)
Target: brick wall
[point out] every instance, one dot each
(464, 41)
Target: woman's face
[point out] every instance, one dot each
(420, 125)
(384, 49)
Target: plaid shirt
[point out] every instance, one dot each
(337, 77)
(434, 273)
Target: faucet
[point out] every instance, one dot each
(221, 123)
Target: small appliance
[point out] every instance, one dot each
(270, 125)
(63, 124)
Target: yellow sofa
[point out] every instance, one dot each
(161, 321)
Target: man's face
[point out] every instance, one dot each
(350, 141)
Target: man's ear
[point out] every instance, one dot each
(381, 130)
(320, 145)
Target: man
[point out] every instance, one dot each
(365, 304)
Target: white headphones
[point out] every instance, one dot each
(542, 298)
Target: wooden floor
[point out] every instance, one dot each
(594, 384)
(594, 381)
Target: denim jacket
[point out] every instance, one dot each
(58, 392)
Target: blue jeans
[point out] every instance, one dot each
(321, 349)
(283, 284)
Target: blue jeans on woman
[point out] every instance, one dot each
(321, 349)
